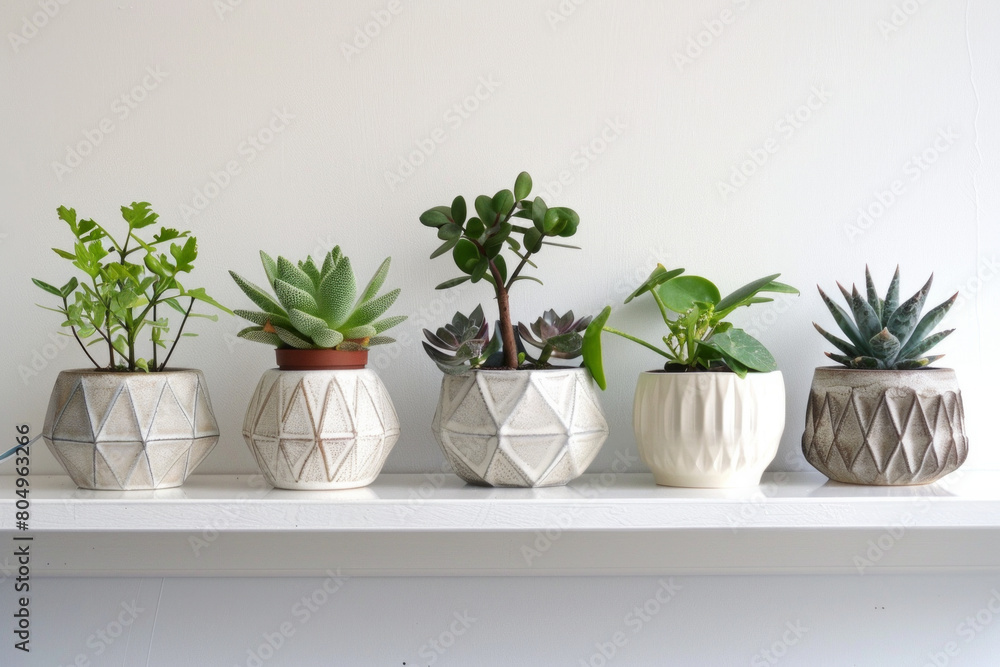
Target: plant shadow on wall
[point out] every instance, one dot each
(321, 420)
(132, 423)
(884, 417)
(507, 416)
(714, 415)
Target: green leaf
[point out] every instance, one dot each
(865, 317)
(388, 323)
(873, 298)
(735, 299)
(292, 339)
(744, 348)
(138, 215)
(258, 335)
(466, 255)
(845, 322)
(885, 346)
(64, 254)
(51, 289)
(903, 321)
(681, 293)
(453, 282)
(186, 254)
(306, 324)
(257, 295)
(336, 295)
(924, 345)
(311, 270)
(474, 229)
(371, 310)
(522, 186)
(375, 284)
(533, 240)
(270, 267)
(327, 338)
(891, 302)
(458, 210)
(501, 265)
(434, 218)
(449, 231)
(538, 211)
(484, 208)
(293, 275)
(445, 247)
(593, 356)
(839, 343)
(293, 297)
(659, 276)
(502, 202)
(479, 270)
(926, 325)
(198, 294)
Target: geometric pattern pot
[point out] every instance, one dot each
(708, 429)
(320, 430)
(130, 431)
(522, 428)
(886, 428)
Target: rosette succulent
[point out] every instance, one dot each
(315, 306)
(556, 336)
(882, 332)
(463, 344)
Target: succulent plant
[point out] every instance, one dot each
(884, 333)
(556, 336)
(477, 244)
(463, 344)
(315, 306)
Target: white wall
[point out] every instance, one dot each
(609, 70)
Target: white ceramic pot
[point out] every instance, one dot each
(130, 431)
(886, 428)
(320, 429)
(523, 428)
(710, 429)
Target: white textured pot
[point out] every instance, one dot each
(323, 429)
(886, 428)
(130, 431)
(710, 429)
(522, 428)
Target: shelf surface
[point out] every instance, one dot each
(434, 524)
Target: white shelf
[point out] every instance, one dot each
(436, 525)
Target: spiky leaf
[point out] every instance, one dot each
(905, 318)
(336, 294)
(257, 294)
(926, 325)
(376, 282)
(369, 311)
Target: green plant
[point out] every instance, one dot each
(463, 344)
(477, 244)
(884, 333)
(698, 336)
(556, 336)
(315, 305)
(118, 297)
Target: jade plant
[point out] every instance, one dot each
(127, 284)
(884, 333)
(316, 306)
(477, 245)
(698, 338)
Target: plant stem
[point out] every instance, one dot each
(178, 337)
(506, 328)
(517, 271)
(73, 329)
(637, 340)
(154, 342)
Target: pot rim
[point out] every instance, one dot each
(303, 360)
(103, 371)
(845, 369)
(497, 371)
(708, 373)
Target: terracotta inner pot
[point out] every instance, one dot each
(320, 360)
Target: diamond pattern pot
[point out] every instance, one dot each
(523, 428)
(885, 428)
(709, 429)
(328, 429)
(130, 431)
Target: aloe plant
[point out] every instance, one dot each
(316, 306)
(882, 332)
(477, 244)
(698, 335)
(119, 297)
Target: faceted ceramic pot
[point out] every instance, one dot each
(130, 431)
(886, 428)
(321, 429)
(522, 428)
(708, 429)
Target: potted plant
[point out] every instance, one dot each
(507, 417)
(883, 417)
(321, 420)
(714, 414)
(133, 422)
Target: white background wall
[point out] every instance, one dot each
(666, 121)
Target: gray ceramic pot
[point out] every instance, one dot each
(130, 431)
(886, 428)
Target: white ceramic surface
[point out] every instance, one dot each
(885, 427)
(520, 428)
(320, 429)
(709, 430)
(130, 431)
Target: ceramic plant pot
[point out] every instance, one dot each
(885, 428)
(321, 429)
(523, 428)
(710, 429)
(130, 431)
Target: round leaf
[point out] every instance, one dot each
(466, 255)
(433, 218)
(680, 293)
(522, 186)
(458, 210)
